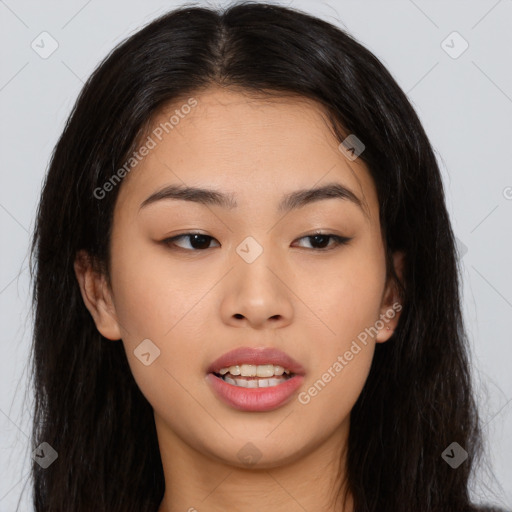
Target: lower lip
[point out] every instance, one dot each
(255, 399)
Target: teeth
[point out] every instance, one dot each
(248, 370)
(252, 370)
(234, 370)
(254, 383)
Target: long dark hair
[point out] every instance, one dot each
(418, 398)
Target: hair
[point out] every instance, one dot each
(418, 397)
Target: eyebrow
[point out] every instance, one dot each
(291, 201)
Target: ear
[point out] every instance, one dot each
(391, 301)
(97, 296)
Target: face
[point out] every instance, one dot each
(304, 277)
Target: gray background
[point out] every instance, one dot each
(465, 104)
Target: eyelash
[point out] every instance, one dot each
(338, 241)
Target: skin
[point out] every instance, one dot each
(195, 306)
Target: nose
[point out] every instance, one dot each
(257, 295)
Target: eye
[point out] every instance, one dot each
(199, 241)
(322, 240)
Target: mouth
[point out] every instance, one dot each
(251, 379)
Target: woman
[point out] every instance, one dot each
(246, 287)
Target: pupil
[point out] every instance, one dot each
(202, 238)
(324, 237)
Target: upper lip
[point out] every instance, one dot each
(256, 356)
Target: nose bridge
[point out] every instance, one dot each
(256, 288)
(256, 265)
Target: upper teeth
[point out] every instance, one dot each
(252, 370)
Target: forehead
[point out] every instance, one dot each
(245, 145)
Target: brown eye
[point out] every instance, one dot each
(320, 241)
(197, 241)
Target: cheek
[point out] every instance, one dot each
(153, 293)
(348, 296)
(348, 302)
(156, 300)
(329, 395)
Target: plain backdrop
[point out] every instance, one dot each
(462, 95)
